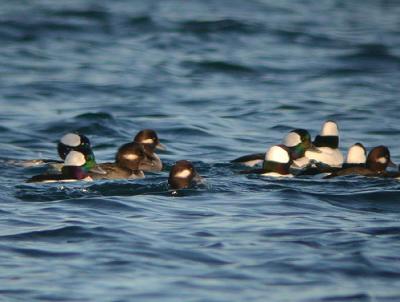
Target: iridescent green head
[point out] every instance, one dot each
(299, 141)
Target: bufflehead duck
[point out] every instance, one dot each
(130, 162)
(183, 175)
(276, 164)
(327, 142)
(76, 167)
(356, 157)
(149, 139)
(298, 141)
(377, 161)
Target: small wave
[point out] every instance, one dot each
(219, 26)
(219, 66)
(64, 233)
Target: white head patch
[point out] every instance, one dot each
(329, 128)
(130, 156)
(277, 154)
(147, 141)
(71, 139)
(292, 139)
(75, 158)
(183, 174)
(382, 160)
(356, 155)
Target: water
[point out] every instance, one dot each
(216, 79)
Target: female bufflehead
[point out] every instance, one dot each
(76, 167)
(276, 164)
(377, 161)
(183, 175)
(130, 162)
(298, 141)
(149, 139)
(328, 145)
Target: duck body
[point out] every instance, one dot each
(130, 160)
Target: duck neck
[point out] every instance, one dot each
(331, 141)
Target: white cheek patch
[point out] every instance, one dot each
(382, 160)
(148, 141)
(75, 158)
(71, 139)
(183, 174)
(130, 156)
(356, 155)
(329, 128)
(277, 154)
(292, 139)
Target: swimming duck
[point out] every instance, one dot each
(298, 141)
(327, 142)
(276, 164)
(356, 157)
(76, 167)
(183, 175)
(149, 139)
(378, 160)
(130, 161)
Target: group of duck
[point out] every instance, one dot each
(298, 155)
(132, 160)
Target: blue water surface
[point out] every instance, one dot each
(217, 79)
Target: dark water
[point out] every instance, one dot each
(216, 79)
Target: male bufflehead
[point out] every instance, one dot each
(327, 142)
(356, 157)
(130, 162)
(276, 164)
(76, 167)
(377, 161)
(183, 175)
(298, 141)
(149, 139)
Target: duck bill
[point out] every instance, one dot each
(146, 164)
(98, 170)
(312, 148)
(392, 164)
(160, 146)
(198, 179)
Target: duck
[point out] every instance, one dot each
(150, 141)
(131, 160)
(356, 157)
(76, 167)
(183, 175)
(377, 161)
(277, 163)
(327, 143)
(298, 141)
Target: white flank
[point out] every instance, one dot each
(274, 174)
(75, 158)
(71, 139)
(356, 155)
(183, 174)
(292, 139)
(329, 128)
(328, 156)
(277, 154)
